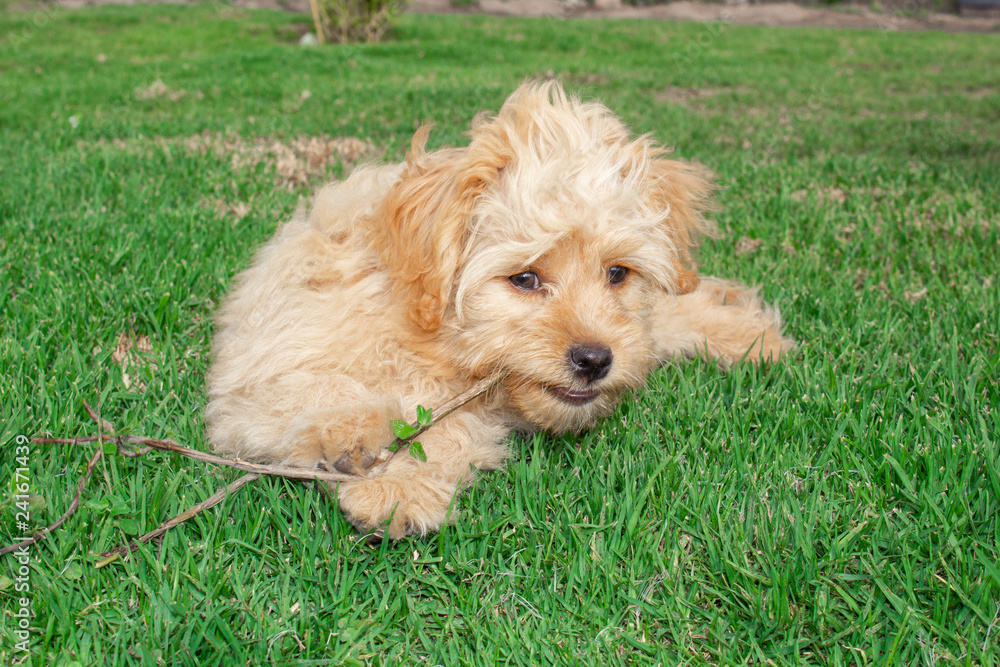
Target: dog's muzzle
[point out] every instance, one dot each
(590, 363)
(573, 396)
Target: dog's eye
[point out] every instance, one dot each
(525, 281)
(617, 274)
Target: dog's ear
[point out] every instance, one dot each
(684, 192)
(423, 223)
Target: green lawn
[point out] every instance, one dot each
(841, 508)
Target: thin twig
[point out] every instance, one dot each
(991, 626)
(41, 534)
(211, 501)
(238, 464)
(440, 413)
(68, 441)
(311, 473)
(130, 450)
(127, 447)
(102, 423)
(462, 399)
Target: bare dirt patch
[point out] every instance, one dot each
(739, 12)
(684, 96)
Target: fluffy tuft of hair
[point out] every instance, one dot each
(544, 167)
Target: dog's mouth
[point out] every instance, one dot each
(572, 396)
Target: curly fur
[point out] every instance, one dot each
(393, 291)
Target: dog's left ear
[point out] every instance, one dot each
(423, 223)
(684, 191)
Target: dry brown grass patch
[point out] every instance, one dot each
(300, 161)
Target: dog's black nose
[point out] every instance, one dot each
(590, 363)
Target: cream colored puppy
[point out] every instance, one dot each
(555, 248)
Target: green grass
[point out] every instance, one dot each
(840, 508)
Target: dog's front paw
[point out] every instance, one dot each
(349, 440)
(397, 504)
(356, 461)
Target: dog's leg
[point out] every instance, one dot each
(413, 497)
(348, 437)
(720, 320)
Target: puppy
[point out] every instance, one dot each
(555, 249)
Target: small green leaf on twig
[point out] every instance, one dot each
(424, 417)
(405, 432)
(402, 429)
(417, 451)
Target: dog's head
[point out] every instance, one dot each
(538, 250)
